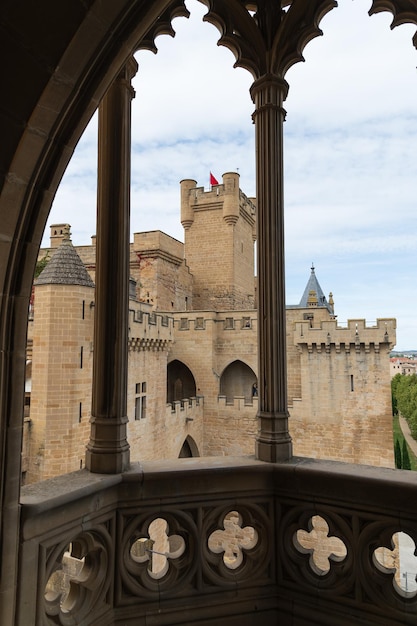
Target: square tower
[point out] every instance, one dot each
(220, 231)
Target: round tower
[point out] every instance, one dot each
(187, 210)
(61, 365)
(231, 197)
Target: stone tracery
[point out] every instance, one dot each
(163, 25)
(403, 11)
(266, 38)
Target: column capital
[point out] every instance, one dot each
(125, 76)
(270, 83)
(268, 94)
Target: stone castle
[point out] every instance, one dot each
(192, 376)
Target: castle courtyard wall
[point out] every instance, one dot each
(328, 419)
(344, 410)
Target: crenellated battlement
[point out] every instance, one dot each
(188, 408)
(239, 403)
(226, 320)
(149, 330)
(355, 336)
(219, 224)
(226, 196)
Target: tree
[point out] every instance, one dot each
(396, 380)
(406, 458)
(404, 393)
(41, 264)
(397, 455)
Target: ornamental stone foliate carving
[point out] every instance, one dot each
(163, 26)
(268, 36)
(404, 12)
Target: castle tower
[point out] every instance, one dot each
(59, 232)
(219, 235)
(61, 365)
(313, 295)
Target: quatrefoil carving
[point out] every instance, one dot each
(58, 587)
(78, 577)
(319, 545)
(401, 560)
(233, 540)
(157, 548)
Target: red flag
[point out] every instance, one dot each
(213, 181)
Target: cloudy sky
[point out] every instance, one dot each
(350, 167)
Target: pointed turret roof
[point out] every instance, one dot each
(313, 287)
(65, 268)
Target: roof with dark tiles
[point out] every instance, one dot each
(65, 268)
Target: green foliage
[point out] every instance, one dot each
(397, 455)
(394, 385)
(404, 394)
(398, 434)
(405, 457)
(41, 264)
(394, 404)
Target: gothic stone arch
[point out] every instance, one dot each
(60, 63)
(237, 379)
(189, 449)
(180, 382)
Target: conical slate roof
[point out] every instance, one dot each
(313, 285)
(65, 268)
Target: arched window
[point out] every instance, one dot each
(189, 449)
(180, 382)
(238, 379)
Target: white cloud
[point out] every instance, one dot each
(350, 168)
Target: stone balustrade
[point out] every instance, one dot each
(240, 545)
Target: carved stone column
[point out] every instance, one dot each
(267, 39)
(273, 442)
(108, 449)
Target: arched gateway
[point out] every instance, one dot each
(62, 60)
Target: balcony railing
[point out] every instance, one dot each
(225, 541)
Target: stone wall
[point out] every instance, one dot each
(338, 378)
(328, 418)
(162, 276)
(207, 342)
(58, 427)
(157, 265)
(344, 410)
(163, 431)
